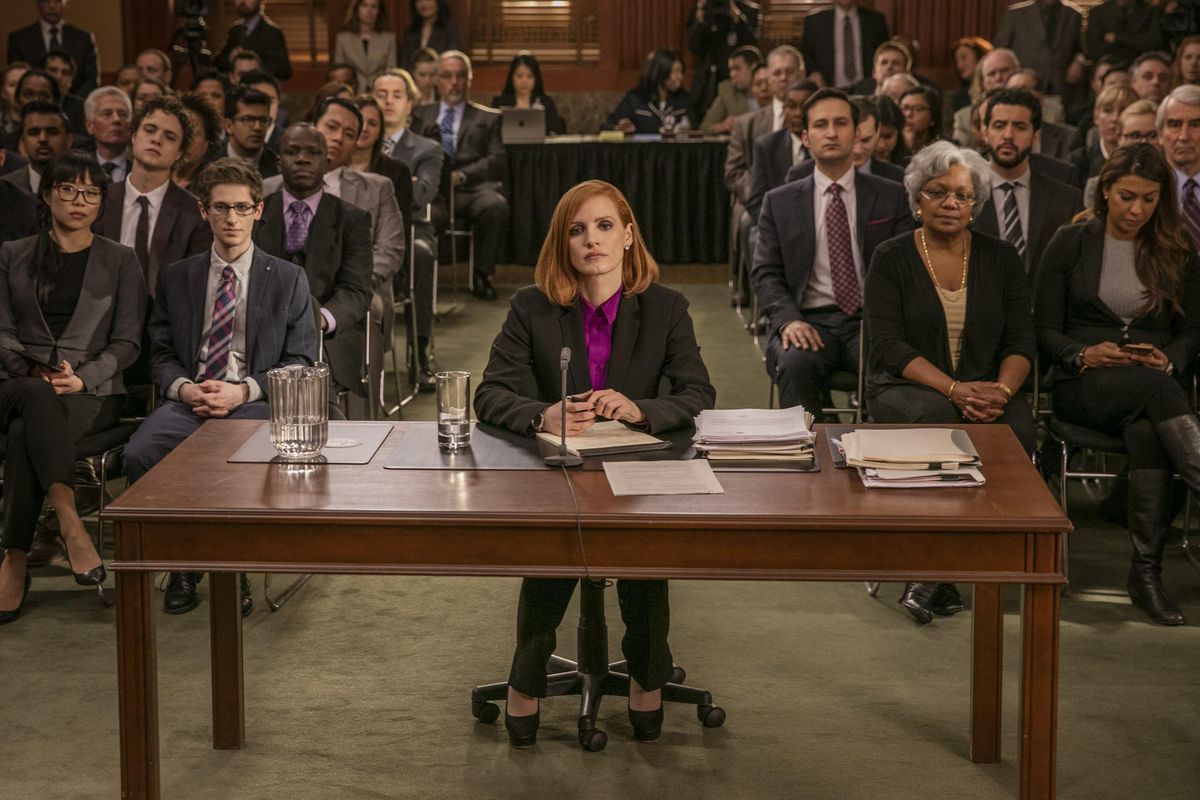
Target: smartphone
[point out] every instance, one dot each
(1138, 349)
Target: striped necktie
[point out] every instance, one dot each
(447, 130)
(1191, 210)
(220, 335)
(1012, 219)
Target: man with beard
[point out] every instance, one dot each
(1027, 207)
(44, 134)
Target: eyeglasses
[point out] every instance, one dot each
(247, 119)
(223, 209)
(939, 196)
(1133, 136)
(913, 109)
(67, 192)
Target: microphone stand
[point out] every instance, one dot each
(563, 458)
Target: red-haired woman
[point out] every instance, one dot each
(596, 293)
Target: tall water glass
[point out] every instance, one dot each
(299, 400)
(454, 410)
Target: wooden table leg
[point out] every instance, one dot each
(1039, 691)
(229, 723)
(987, 672)
(137, 687)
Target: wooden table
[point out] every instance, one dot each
(195, 512)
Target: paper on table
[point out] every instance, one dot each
(628, 478)
(607, 438)
(903, 446)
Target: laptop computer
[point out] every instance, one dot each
(522, 125)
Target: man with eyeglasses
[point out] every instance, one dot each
(247, 120)
(221, 319)
(1027, 207)
(1138, 124)
(1179, 136)
(994, 70)
(779, 151)
(44, 134)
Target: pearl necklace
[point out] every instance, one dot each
(929, 264)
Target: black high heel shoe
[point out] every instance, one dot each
(522, 731)
(93, 577)
(11, 616)
(647, 725)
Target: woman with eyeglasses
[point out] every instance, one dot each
(922, 110)
(947, 318)
(71, 310)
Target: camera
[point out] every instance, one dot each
(716, 12)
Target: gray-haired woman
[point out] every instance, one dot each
(948, 321)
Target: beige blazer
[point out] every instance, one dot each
(379, 55)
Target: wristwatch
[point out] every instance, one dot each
(538, 421)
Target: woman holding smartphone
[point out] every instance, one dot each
(596, 293)
(1118, 320)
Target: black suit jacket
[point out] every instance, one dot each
(1069, 314)
(179, 231)
(479, 151)
(1061, 171)
(279, 319)
(880, 169)
(266, 39)
(268, 162)
(1137, 28)
(905, 320)
(652, 342)
(818, 48)
(19, 218)
(1051, 205)
(443, 37)
(787, 247)
(337, 262)
(1057, 141)
(27, 45)
(1086, 161)
(772, 162)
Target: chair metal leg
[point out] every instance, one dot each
(275, 602)
(1064, 460)
(872, 588)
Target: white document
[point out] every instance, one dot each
(875, 446)
(965, 477)
(607, 438)
(754, 425)
(629, 478)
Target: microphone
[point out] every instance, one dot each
(563, 458)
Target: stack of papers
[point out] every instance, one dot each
(909, 458)
(753, 438)
(606, 439)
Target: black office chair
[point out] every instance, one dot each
(593, 677)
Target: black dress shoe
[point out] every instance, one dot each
(11, 616)
(426, 380)
(180, 596)
(522, 731)
(647, 725)
(481, 287)
(917, 599)
(947, 601)
(247, 598)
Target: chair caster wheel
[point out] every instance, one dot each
(678, 675)
(487, 713)
(711, 716)
(593, 740)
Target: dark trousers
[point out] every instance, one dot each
(801, 375)
(167, 427)
(487, 210)
(645, 610)
(913, 404)
(41, 430)
(424, 249)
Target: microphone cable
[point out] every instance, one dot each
(587, 573)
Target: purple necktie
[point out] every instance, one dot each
(1191, 210)
(297, 229)
(841, 258)
(220, 336)
(599, 347)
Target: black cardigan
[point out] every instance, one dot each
(653, 340)
(905, 320)
(1069, 315)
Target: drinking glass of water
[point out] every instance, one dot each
(454, 410)
(299, 400)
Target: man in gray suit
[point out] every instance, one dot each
(733, 94)
(779, 151)
(1047, 36)
(45, 133)
(396, 93)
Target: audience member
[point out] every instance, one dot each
(330, 239)
(947, 312)
(1027, 207)
(255, 31)
(1047, 37)
(476, 160)
(524, 89)
(1054, 140)
(890, 58)
(760, 88)
(1088, 159)
(217, 369)
(994, 71)
(61, 67)
(777, 152)
(207, 128)
(328, 90)
(155, 64)
(31, 44)
(658, 102)
(211, 86)
(856, 34)
(41, 293)
(968, 52)
(247, 120)
(716, 29)
(19, 218)
(1179, 137)
(922, 110)
(816, 237)
(862, 155)
(1027, 80)
(365, 44)
(1123, 28)
(147, 88)
(889, 144)
(44, 134)
(424, 71)
(126, 78)
(734, 94)
(1128, 277)
(1150, 75)
(1186, 68)
(10, 111)
(243, 61)
(1138, 123)
(430, 27)
(594, 269)
(109, 111)
(34, 84)
(263, 81)
(894, 86)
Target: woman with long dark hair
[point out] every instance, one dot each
(1117, 314)
(658, 102)
(71, 310)
(524, 89)
(429, 26)
(922, 111)
(889, 144)
(366, 43)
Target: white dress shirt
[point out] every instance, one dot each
(777, 112)
(35, 181)
(131, 212)
(333, 181)
(46, 26)
(1000, 197)
(819, 291)
(797, 149)
(840, 78)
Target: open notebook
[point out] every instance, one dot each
(606, 439)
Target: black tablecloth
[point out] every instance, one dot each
(676, 189)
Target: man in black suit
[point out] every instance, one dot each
(262, 81)
(32, 43)
(108, 113)
(61, 67)
(863, 155)
(1047, 36)
(470, 135)
(44, 135)
(19, 218)
(1123, 28)
(715, 30)
(1026, 208)
(221, 320)
(778, 152)
(815, 241)
(330, 239)
(855, 34)
(255, 31)
(247, 120)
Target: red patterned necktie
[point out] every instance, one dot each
(841, 257)
(220, 336)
